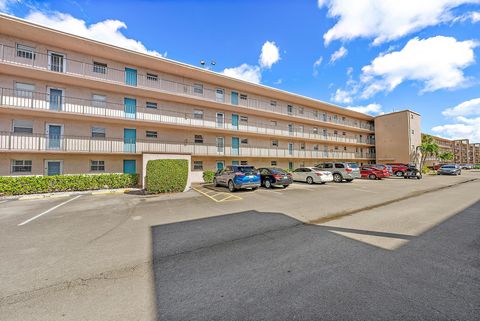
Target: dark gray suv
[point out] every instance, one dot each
(341, 171)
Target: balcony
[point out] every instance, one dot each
(71, 105)
(61, 64)
(24, 142)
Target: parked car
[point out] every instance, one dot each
(398, 169)
(275, 177)
(412, 172)
(450, 169)
(386, 169)
(237, 177)
(311, 175)
(341, 171)
(436, 167)
(466, 166)
(373, 172)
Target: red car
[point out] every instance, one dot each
(398, 169)
(372, 172)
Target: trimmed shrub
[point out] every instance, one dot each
(208, 176)
(166, 175)
(19, 185)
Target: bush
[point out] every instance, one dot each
(166, 175)
(208, 176)
(64, 183)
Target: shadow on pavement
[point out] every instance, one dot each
(268, 266)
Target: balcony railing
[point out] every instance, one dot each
(59, 63)
(26, 142)
(57, 103)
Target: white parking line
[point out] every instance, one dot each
(48, 211)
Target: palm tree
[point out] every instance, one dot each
(428, 148)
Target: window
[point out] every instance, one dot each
(99, 101)
(275, 143)
(300, 129)
(198, 139)
(290, 165)
(99, 67)
(315, 147)
(273, 163)
(198, 89)
(151, 105)
(273, 103)
(24, 90)
(198, 165)
(302, 146)
(152, 77)
(220, 144)
(315, 130)
(343, 118)
(300, 110)
(290, 109)
(243, 97)
(98, 132)
(151, 134)
(97, 165)
(413, 131)
(273, 123)
(21, 166)
(197, 114)
(25, 51)
(345, 148)
(244, 119)
(23, 126)
(343, 133)
(315, 113)
(243, 162)
(339, 165)
(335, 132)
(244, 141)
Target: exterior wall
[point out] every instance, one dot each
(396, 137)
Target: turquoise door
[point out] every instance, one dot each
(129, 166)
(219, 166)
(129, 140)
(56, 99)
(235, 121)
(130, 76)
(54, 136)
(234, 162)
(54, 168)
(235, 145)
(234, 98)
(130, 107)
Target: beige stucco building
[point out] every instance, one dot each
(72, 105)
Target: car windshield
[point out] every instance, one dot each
(277, 171)
(352, 165)
(448, 166)
(246, 169)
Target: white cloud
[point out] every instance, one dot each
(467, 108)
(473, 17)
(108, 31)
(386, 20)
(269, 55)
(372, 109)
(462, 126)
(316, 65)
(279, 81)
(437, 62)
(4, 4)
(342, 96)
(340, 53)
(245, 72)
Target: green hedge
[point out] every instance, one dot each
(208, 176)
(19, 185)
(166, 175)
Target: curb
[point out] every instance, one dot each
(67, 194)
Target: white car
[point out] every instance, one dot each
(311, 175)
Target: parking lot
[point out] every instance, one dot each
(211, 254)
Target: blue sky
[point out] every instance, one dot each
(373, 56)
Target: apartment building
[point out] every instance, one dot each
(463, 151)
(72, 105)
(444, 145)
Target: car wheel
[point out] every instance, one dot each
(231, 186)
(309, 180)
(215, 183)
(372, 176)
(399, 173)
(268, 184)
(337, 178)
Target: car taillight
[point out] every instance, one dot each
(318, 174)
(277, 176)
(289, 174)
(348, 170)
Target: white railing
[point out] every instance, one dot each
(62, 64)
(62, 143)
(41, 101)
